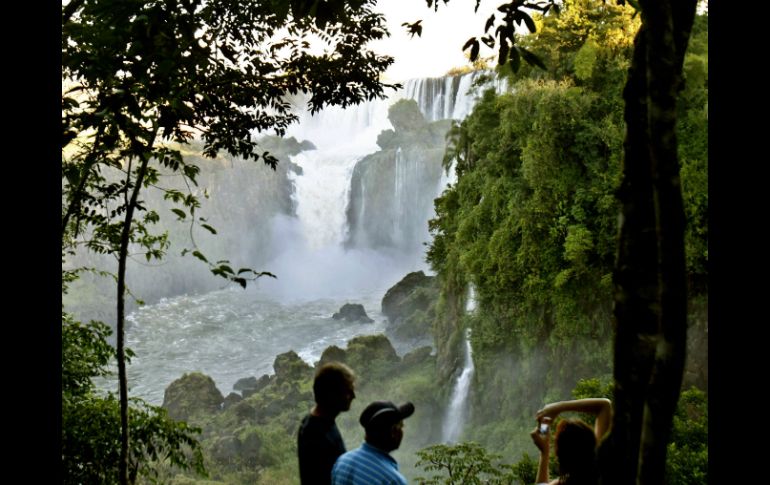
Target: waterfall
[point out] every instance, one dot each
(342, 137)
(400, 195)
(313, 252)
(458, 406)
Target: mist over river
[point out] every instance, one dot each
(235, 333)
(322, 258)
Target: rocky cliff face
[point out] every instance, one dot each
(410, 307)
(392, 190)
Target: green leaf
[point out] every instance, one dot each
(200, 256)
(179, 213)
(209, 228)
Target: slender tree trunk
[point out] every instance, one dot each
(121, 354)
(650, 313)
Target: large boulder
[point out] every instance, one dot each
(290, 367)
(417, 356)
(190, 395)
(405, 116)
(231, 400)
(333, 354)
(409, 306)
(352, 312)
(251, 385)
(401, 299)
(372, 355)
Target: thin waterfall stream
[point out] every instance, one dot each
(457, 413)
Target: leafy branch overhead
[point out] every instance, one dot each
(142, 76)
(504, 36)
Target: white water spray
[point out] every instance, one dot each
(458, 407)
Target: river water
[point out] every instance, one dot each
(234, 333)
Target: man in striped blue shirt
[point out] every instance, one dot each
(371, 463)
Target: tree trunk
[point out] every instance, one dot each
(635, 279)
(650, 313)
(664, 81)
(121, 354)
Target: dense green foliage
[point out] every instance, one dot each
(469, 462)
(531, 224)
(139, 74)
(253, 440)
(91, 421)
(688, 452)
(461, 464)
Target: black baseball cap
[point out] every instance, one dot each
(381, 413)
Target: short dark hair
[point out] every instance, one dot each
(330, 379)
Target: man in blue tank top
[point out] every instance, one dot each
(371, 463)
(319, 442)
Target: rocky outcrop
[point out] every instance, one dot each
(352, 312)
(417, 356)
(290, 367)
(332, 354)
(190, 395)
(409, 306)
(231, 400)
(392, 190)
(251, 385)
(372, 354)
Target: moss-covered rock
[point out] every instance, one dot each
(251, 385)
(409, 306)
(290, 367)
(405, 116)
(333, 354)
(192, 394)
(414, 292)
(231, 399)
(417, 356)
(372, 355)
(352, 312)
(411, 160)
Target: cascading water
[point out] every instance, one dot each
(458, 406)
(341, 138)
(229, 334)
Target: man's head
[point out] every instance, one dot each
(334, 387)
(384, 423)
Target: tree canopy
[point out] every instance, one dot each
(138, 74)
